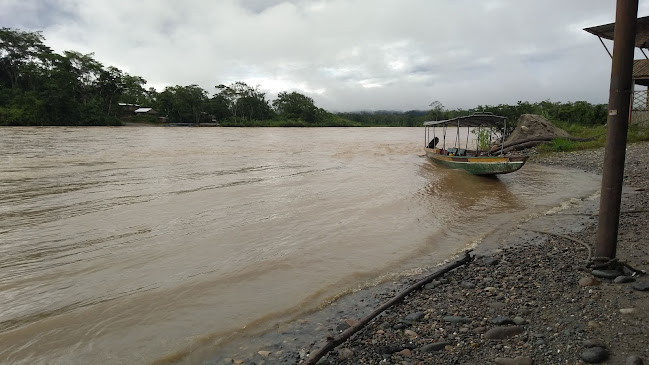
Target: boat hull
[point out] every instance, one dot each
(481, 165)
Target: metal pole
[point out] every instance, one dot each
(425, 136)
(619, 103)
(502, 139)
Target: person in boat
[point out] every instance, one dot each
(433, 142)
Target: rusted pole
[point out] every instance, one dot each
(619, 103)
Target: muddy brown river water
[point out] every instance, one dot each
(131, 245)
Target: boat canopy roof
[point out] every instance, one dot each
(473, 120)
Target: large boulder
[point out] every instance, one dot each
(532, 126)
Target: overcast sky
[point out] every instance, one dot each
(347, 55)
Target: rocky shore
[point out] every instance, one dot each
(532, 299)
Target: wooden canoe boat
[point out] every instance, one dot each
(474, 161)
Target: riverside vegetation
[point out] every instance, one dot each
(41, 87)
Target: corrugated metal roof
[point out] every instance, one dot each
(607, 31)
(640, 69)
(143, 110)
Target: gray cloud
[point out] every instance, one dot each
(346, 54)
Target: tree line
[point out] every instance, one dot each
(41, 87)
(579, 112)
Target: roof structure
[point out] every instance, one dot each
(641, 72)
(607, 31)
(143, 110)
(473, 120)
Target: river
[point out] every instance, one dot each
(129, 245)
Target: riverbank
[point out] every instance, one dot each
(528, 298)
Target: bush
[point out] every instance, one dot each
(562, 145)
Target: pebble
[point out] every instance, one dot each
(519, 320)
(588, 281)
(410, 333)
(432, 347)
(518, 360)
(415, 317)
(627, 310)
(592, 343)
(623, 279)
(405, 352)
(641, 286)
(502, 320)
(594, 355)
(264, 353)
(634, 360)
(345, 353)
(457, 319)
(467, 285)
(502, 332)
(606, 274)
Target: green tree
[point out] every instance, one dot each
(18, 50)
(217, 107)
(184, 104)
(134, 91)
(244, 101)
(296, 106)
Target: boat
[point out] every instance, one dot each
(484, 158)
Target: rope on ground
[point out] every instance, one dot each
(597, 262)
(566, 237)
(333, 342)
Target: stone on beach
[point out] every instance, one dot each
(518, 360)
(414, 317)
(594, 355)
(634, 360)
(623, 279)
(432, 347)
(457, 319)
(345, 353)
(607, 274)
(502, 320)
(503, 332)
(641, 286)
(589, 281)
(467, 285)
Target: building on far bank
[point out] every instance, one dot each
(640, 95)
(143, 111)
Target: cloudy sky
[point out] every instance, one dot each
(347, 55)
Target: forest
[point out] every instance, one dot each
(39, 87)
